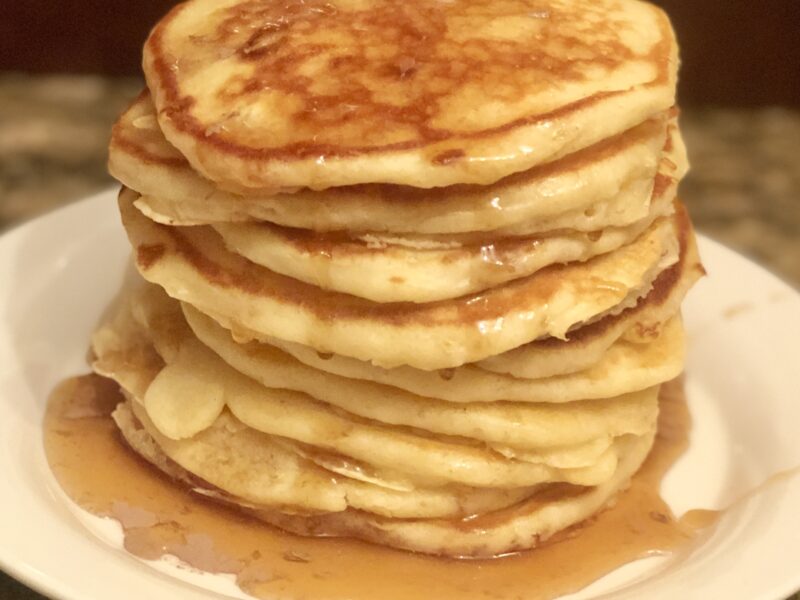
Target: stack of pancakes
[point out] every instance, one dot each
(415, 269)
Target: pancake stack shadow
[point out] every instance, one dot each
(430, 316)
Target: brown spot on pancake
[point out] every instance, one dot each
(135, 148)
(661, 183)
(669, 145)
(447, 374)
(130, 141)
(647, 331)
(148, 254)
(659, 516)
(406, 66)
(448, 156)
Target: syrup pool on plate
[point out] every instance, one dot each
(99, 473)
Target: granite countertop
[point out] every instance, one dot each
(744, 188)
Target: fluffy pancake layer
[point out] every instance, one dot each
(193, 265)
(325, 94)
(422, 269)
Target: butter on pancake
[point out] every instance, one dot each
(319, 94)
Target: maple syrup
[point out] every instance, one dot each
(97, 470)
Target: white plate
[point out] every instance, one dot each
(58, 273)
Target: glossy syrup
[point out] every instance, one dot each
(100, 474)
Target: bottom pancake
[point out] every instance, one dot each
(547, 510)
(552, 509)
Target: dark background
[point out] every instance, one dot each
(735, 52)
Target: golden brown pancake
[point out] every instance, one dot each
(492, 534)
(533, 423)
(439, 459)
(605, 185)
(515, 526)
(413, 269)
(258, 472)
(520, 526)
(393, 268)
(318, 94)
(584, 346)
(193, 266)
(549, 357)
(625, 367)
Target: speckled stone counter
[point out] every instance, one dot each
(744, 188)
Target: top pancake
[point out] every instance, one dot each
(270, 95)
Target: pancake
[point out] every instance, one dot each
(421, 269)
(563, 457)
(247, 481)
(524, 426)
(441, 459)
(605, 185)
(572, 436)
(193, 265)
(521, 527)
(586, 345)
(299, 417)
(257, 468)
(626, 367)
(412, 272)
(438, 459)
(321, 94)
(549, 357)
(121, 350)
(528, 426)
